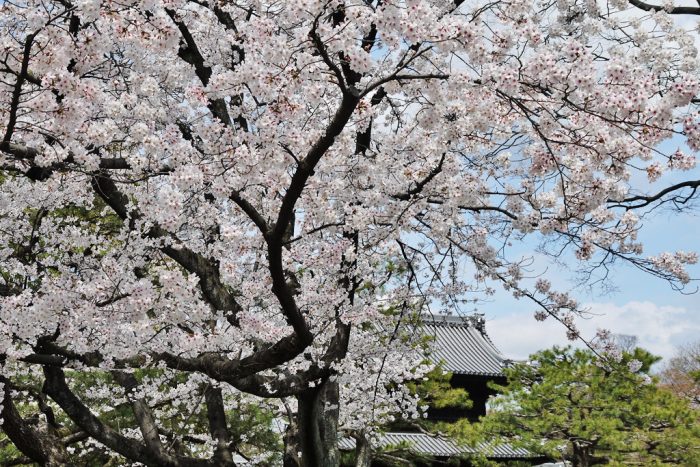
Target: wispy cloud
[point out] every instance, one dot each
(659, 328)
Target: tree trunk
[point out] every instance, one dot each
(582, 456)
(363, 451)
(317, 418)
(291, 444)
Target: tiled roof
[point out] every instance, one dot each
(463, 346)
(422, 443)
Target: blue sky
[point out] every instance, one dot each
(642, 305)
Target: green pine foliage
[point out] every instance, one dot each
(573, 405)
(435, 390)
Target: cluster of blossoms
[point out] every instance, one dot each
(691, 128)
(681, 161)
(675, 263)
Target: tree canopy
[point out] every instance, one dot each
(256, 198)
(574, 405)
(681, 374)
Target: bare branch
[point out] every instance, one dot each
(676, 10)
(647, 200)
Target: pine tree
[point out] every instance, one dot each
(577, 406)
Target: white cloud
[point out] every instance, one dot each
(659, 329)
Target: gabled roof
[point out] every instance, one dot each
(437, 446)
(462, 345)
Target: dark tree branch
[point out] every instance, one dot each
(142, 413)
(647, 200)
(411, 192)
(237, 372)
(217, 294)
(251, 212)
(399, 77)
(224, 18)
(241, 373)
(43, 448)
(217, 425)
(17, 91)
(678, 10)
(364, 138)
(321, 48)
(307, 165)
(28, 155)
(213, 289)
(276, 238)
(76, 437)
(190, 53)
(56, 387)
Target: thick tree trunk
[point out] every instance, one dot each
(317, 419)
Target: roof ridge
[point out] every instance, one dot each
(475, 320)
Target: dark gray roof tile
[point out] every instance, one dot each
(425, 444)
(461, 343)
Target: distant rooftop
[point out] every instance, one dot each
(438, 446)
(464, 348)
(462, 345)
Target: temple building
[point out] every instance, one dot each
(465, 350)
(462, 346)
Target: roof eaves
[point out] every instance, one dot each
(438, 446)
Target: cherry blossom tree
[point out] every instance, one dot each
(254, 198)
(681, 373)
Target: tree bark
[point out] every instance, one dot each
(363, 451)
(582, 456)
(40, 446)
(291, 444)
(218, 427)
(318, 425)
